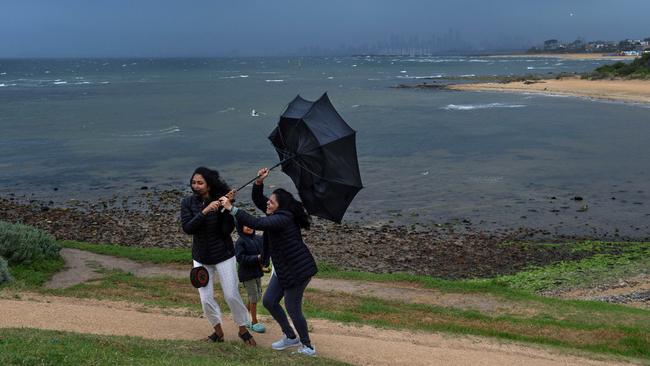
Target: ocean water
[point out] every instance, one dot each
(93, 128)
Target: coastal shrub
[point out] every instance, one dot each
(5, 276)
(25, 244)
(637, 69)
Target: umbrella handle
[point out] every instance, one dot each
(252, 180)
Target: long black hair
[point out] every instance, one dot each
(287, 202)
(217, 187)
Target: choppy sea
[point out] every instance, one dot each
(85, 128)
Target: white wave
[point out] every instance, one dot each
(163, 132)
(226, 110)
(3, 73)
(373, 79)
(234, 77)
(330, 77)
(356, 106)
(2, 85)
(539, 68)
(469, 107)
(438, 76)
(274, 80)
(403, 71)
(60, 82)
(104, 82)
(477, 60)
(467, 75)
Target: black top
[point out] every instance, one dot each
(211, 241)
(292, 260)
(247, 248)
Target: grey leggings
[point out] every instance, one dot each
(293, 302)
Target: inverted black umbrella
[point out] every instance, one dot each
(317, 150)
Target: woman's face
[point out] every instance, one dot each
(271, 204)
(199, 186)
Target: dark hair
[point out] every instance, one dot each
(287, 202)
(217, 187)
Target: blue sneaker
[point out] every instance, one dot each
(285, 343)
(307, 351)
(258, 328)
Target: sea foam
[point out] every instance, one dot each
(469, 107)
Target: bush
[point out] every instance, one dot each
(5, 276)
(25, 244)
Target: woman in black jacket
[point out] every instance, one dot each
(212, 248)
(293, 264)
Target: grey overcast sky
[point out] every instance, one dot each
(99, 28)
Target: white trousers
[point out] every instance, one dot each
(227, 272)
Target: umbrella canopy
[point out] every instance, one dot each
(318, 151)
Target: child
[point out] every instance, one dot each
(248, 250)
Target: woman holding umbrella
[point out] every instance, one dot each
(293, 263)
(212, 248)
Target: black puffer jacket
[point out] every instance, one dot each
(211, 241)
(247, 249)
(292, 260)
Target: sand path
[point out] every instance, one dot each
(358, 345)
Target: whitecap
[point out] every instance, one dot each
(234, 77)
(438, 76)
(467, 75)
(356, 106)
(2, 85)
(469, 107)
(165, 131)
(60, 82)
(3, 73)
(274, 81)
(330, 77)
(226, 110)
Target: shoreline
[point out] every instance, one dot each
(569, 56)
(633, 91)
(451, 250)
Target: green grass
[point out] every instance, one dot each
(611, 262)
(40, 347)
(584, 325)
(35, 274)
(151, 255)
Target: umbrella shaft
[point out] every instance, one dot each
(271, 168)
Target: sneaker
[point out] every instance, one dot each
(285, 343)
(258, 328)
(307, 351)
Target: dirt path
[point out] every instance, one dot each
(81, 266)
(359, 345)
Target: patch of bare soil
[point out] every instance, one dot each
(357, 345)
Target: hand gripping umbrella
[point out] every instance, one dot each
(317, 150)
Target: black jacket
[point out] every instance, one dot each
(211, 241)
(292, 260)
(247, 248)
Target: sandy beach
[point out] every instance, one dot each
(637, 91)
(571, 56)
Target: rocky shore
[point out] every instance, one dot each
(453, 250)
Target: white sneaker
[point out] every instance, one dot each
(285, 343)
(304, 350)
